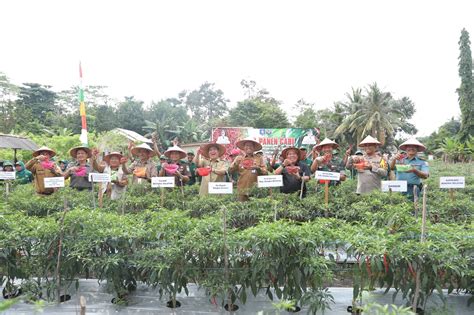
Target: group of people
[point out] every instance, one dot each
(246, 162)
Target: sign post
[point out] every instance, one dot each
(394, 186)
(7, 176)
(451, 183)
(327, 176)
(99, 178)
(220, 188)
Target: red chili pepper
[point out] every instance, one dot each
(413, 273)
(367, 261)
(385, 262)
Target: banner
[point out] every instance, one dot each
(270, 139)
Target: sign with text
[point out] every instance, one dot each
(99, 177)
(162, 182)
(270, 181)
(270, 139)
(328, 175)
(7, 175)
(394, 185)
(452, 182)
(220, 188)
(53, 182)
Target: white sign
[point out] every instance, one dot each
(165, 181)
(53, 182)
(270, 181)
(328, 175)
(394, 185)
(220, 188)
(452, 182)
(99, 177)
(7, 175)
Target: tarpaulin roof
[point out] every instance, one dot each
(16, 142)
(132, 135)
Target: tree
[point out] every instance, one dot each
(307, 115)
(130, 114)
(258, 114)
(35, 108)
(259, 110)
(465, 91)
(8, 92)
(165, 119)
(377, 114)
(206, 103)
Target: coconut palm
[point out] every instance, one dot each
(374, 114)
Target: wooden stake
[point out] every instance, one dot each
(60, 245)
(415, 200)
(101, 195)
(226, 257)
(451, 194)
(422, 240)
(326, 197)
(82, 303)
(162, 191)
(302, 186)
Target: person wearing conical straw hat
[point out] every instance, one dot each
(371, 167)
(249, 166)
(294, 170)
(327, 161)
(418, 168)
(211, 167)
(42, 167)
(175, 167)
(143, 168)
(118, 180)
(80, 169)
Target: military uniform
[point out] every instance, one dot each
(335, 164)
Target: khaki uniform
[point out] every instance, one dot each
(248, 178)
(369, 180)
(40, 173)
(216, 165)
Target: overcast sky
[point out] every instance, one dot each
(316, 50)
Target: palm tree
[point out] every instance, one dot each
(374, 114)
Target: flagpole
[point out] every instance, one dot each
(82, 110)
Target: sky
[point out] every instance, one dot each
(315, 50)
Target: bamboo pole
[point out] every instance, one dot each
(422, 240)
(60, 244)
(326, 197)
(82, 303)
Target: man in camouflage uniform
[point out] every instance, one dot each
(327, 161)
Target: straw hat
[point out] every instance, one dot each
(240, 144)
(108, 156)
(145, 147)
(175, 148)
(285, 151)
(327, 141)
(43, 148)
(73, 151)
(205, 149)
(368, 141)
(412, 142)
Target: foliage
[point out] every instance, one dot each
(376, 114)
(466, 90)
(280, 245)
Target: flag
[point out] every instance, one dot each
(82, 110)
